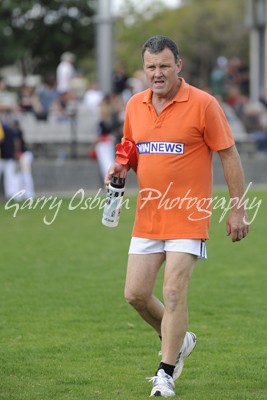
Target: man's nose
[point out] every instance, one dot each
(158, 71)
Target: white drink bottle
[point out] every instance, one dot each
(113, 205)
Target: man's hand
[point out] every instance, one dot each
(237, 225)
(117, 170)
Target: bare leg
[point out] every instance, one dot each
(142, 271)
(178, 271)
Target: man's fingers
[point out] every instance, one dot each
(117, 170)
(238, 234)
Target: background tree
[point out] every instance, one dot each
(34, 33)
(203, 30)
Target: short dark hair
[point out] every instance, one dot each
(158, 43)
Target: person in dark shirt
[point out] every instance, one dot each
(25, 159)
(9, 146)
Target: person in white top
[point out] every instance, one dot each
(93, 98)
(65, 73)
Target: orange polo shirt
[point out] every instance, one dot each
(174, 168)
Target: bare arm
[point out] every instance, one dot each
(237, 222)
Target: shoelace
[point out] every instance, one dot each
(161, 380)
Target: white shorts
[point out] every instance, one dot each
(149, 246)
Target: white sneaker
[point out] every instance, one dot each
(189, 343)
(163, 385)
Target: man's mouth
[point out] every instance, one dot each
(159, 82)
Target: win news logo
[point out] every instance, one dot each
(160, 148)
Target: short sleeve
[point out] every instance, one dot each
(217, 132)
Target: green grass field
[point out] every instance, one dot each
(66, 332)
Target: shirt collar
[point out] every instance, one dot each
(181, 96)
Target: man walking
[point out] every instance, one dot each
(170, 133)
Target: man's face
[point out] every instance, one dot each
(162, 71)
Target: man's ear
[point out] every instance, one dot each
(179, 65)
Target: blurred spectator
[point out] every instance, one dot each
(263, 98)
(234, 65)
(1, 139)
(218, 77)
(45, 98)
(118, 114)
(65, 73)
(244, 79)
(238, 74)
(8, 99)
(1, 133)
(26, 98)
(137, 82)
(25, 158)
(134, 84)
(230, 80)
(79, 84)
(236, 99)
(8, 168)
(104, 147)
(254, 119)
(119, 79)
(93, 97)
